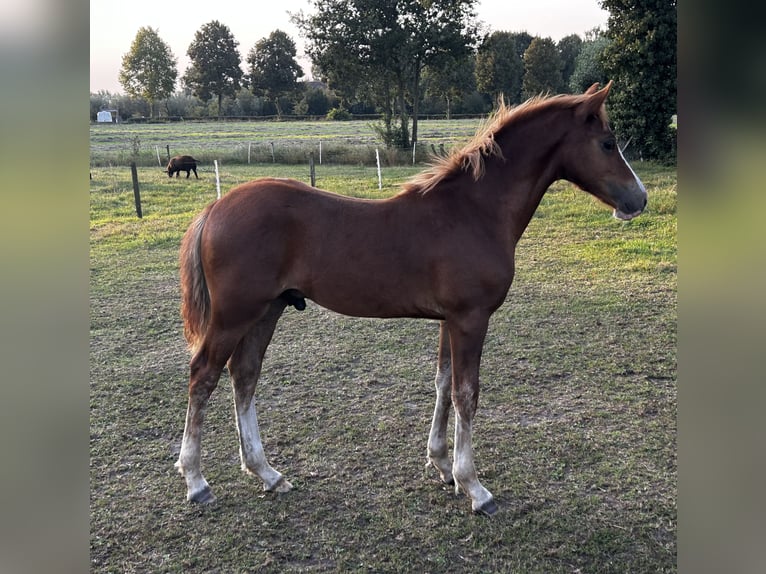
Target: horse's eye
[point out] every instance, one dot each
(609, 145)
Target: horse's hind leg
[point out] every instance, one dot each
(245, 368)
(205, 367)
(437, 439)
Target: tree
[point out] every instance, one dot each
(440, 33)
(273, 71)
(100, 100)
(343, 76)
(641, 59)
(315, 102)
(356, 47)
(129, 106)
(182, 105)
(499, 67)
(215, 61)
(149, 68)
(588, 68)
(450, 80)
(569, 48)
(542, 68)
(381, 47)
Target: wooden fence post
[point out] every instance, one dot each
(136, 194)
(311, 169)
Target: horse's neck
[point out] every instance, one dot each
(522, 176)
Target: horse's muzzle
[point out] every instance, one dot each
(630, 211)
(617, 214)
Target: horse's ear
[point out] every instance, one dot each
(594, 100)
(591, 90)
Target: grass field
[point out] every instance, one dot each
(575, 433)
(352, 142)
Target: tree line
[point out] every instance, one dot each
(404, 59)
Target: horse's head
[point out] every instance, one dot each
(593, 160)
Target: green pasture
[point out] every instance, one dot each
(575, 434)
(351, 142)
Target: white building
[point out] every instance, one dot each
(104, 116)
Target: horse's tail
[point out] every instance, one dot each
(195, 297)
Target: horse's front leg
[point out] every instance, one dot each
(466, 341)
(437, 439)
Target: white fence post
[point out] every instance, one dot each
(377, 159)
(217, 180)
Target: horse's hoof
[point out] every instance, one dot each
(488, 508)
(204, 496)
(446, 477)
(282, 486)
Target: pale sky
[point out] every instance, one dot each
(113, 25)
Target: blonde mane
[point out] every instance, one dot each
(471, 157)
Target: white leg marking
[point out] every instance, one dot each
(437, 438)
(188, 463)
(464, 470)
(251, 448)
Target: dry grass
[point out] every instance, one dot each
(575, 434)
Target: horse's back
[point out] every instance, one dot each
(272, 231)
(281, 191)
(293, 206)
(280, 234)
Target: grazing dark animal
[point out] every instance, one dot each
(443, 249)
(182, 163)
